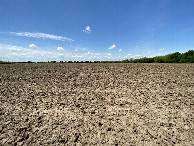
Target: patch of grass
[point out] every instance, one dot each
(170, 87)
(170, 120)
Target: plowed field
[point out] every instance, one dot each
(96, 104)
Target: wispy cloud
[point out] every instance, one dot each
(87, 29)
(161, 49)
(112, 47)
(32, 46)
(60, 48)
(150, 36)
(41, 35)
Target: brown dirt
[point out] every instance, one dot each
(97, 104)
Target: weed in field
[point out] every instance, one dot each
(170, 87)
(169, 120)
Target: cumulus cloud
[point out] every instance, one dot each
(120, 50)
(89, 53)
(79, 49)
(18, 53)
(60, 54)
(60, 48)
(161, 49)
(83, 49)
(112, 47)
(149, 52)
(87, 29)
(41, 35)
(32, 46)
(13, 48)
(77, 56)
(131, 56)
(137, 56)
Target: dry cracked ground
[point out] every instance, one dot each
(97, 104)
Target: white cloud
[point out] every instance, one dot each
(23, 54)
(137, 56)
(32, 46)
(88, 53)
(18, 53)
(41, 35)
(78, 49)
(131, 56)
(120, 50)
(13, 48)
(136, 46)
(161, 49)
(60, 48)
(26, 54)
(60, 54)
(126, 57)
(149, 52)
(77, 56)
(83, 49)
(112, 47)
(87, 29)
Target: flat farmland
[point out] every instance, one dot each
(96, 104)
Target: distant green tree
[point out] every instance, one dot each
(187, 57)
(125, 61)
(160, 59)
(6, 62)
(173, 58)
(176, 57)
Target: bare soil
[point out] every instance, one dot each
(97, 104)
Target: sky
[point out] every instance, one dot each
(76, 30)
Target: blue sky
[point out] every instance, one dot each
(45, 30)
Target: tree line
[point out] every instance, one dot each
(176, 57)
